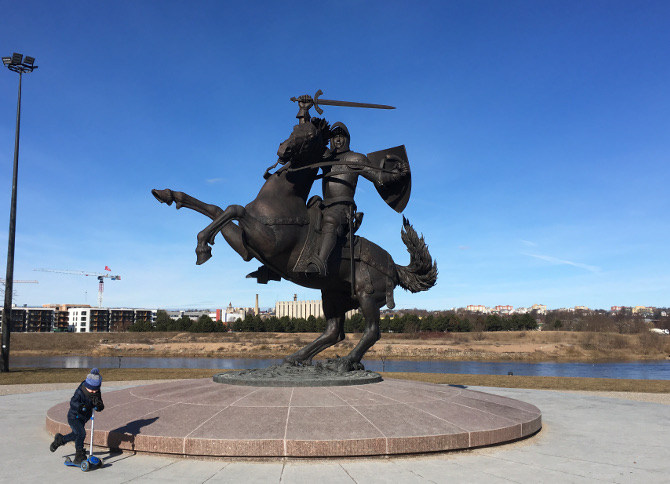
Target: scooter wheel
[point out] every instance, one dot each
(84, 465)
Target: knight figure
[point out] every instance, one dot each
(341, 170)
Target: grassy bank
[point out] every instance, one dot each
(24, 376)
(489, 346)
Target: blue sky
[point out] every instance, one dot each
(538, 133)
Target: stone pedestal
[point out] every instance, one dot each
(205, 418)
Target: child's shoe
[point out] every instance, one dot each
(79, 456)
(58, 441)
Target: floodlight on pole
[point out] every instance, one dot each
(15, 63)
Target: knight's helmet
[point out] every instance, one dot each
(340, 128)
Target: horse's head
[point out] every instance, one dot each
(307, 143)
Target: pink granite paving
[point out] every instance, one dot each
(201, 417)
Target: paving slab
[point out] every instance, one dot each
(586, 438)
(207, 418)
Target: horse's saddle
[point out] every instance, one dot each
(363, 251)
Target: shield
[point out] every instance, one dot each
(395, 192)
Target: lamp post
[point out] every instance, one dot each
(18, 64)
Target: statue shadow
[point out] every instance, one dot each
(459, 386)
(127, 434)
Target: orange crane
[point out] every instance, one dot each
(101, 278)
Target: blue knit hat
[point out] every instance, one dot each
(93, 380)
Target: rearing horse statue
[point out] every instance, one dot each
(278, 228)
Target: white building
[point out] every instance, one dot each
(540, 308)
(88, 320)
(506, 309)
(231, 314)
(303, 309)
(192, 314)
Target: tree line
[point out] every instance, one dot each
(600, 321)
(405, 323)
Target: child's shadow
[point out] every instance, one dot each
(127, 433)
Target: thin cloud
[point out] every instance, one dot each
(463, 247)
(557, 261)
(528, 243)
(213, 181)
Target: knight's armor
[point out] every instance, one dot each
(339, 188)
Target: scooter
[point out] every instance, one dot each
(92, 462)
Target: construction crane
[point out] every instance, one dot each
(4, 283)
(101, 278)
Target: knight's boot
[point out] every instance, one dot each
(264, 274)
(319, 264)
(316, 266)
(79, 456)
(58, 441)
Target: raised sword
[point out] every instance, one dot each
(330, 102)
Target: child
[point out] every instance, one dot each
(86, 397)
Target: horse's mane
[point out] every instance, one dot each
(323, 126)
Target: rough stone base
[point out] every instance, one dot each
(297, 376)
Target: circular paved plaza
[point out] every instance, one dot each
(205, 418)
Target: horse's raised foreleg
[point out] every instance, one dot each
(181, 199)
(261, 237)
(334, 310)
(234, 235)
(231, 232)
(206, 236)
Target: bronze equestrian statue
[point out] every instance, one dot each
(313, 244)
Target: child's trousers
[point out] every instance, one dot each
(78, 433)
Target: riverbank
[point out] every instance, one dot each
(489, 346)
(36, 376)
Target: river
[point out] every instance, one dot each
(637, 370)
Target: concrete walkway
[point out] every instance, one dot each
(585, 439)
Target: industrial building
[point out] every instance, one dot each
(303, 309)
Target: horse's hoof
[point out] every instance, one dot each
(288, 361)
(343, 365)
(203, 254)
(163, 196)
(296, 361)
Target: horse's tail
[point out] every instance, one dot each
(421, 273)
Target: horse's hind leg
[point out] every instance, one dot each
(370, 308)
(334, 309)
(181, 199)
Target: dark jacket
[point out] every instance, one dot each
(82, 403)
